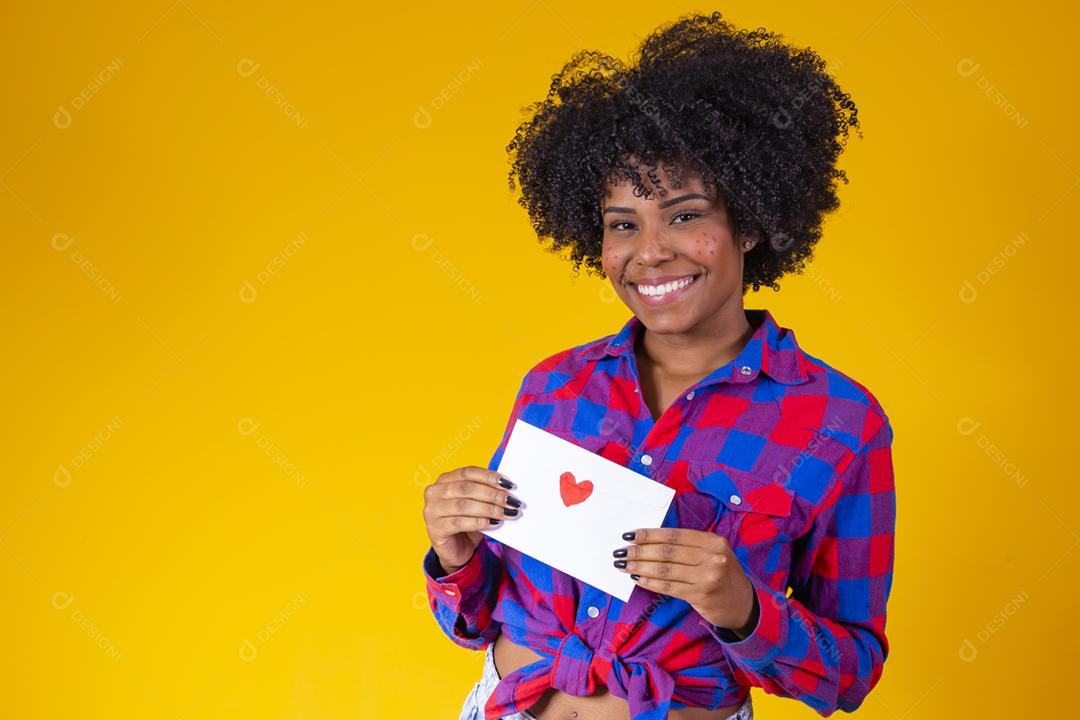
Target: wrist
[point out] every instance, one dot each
(755, 611)
(449, 569)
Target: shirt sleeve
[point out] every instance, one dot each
(464, 600)
(825, 644)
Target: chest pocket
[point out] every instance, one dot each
(747, 509)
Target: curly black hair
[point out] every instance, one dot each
(761, 120)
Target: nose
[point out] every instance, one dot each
(653, 247)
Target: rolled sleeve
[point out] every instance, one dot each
(769, 634)
(464, 600)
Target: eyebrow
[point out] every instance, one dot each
(666, 203)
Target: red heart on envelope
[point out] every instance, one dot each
(572, 491)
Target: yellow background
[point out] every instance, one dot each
(266, 276)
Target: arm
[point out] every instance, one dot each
(825, 644)
(464, 599)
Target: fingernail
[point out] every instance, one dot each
(513, 501)
(505, 483)
(493, 521)
(510, 511)
(621, 552)
(628, 535)
(634, 577)
(620, 564)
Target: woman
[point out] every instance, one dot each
(703, 169)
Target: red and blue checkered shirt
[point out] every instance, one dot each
(789, 459)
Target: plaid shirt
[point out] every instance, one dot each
(789, 459)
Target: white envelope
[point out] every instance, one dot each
(557, 526)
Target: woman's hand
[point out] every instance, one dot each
(696, 566)
(458, 505)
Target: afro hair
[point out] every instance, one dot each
(761, 120)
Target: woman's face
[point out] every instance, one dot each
(684, 238)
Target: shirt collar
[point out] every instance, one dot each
(772, 349)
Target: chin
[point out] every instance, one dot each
(663, 323)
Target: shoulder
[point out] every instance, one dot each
(837, 405)
(559, 369)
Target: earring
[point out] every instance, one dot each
(748, 244)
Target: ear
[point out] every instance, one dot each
(747, 242)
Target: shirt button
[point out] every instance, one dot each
(593, 611)
(735, 500)
(690, 395)
(451, 593)
(746, 370)
(646, 459)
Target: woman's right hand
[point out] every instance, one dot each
(458, 505)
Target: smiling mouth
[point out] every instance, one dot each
(665, 291)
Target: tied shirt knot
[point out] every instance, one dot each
(576, 669)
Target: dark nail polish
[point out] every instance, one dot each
(635, 577)
(493, 521)
(505, 483)
(513, 502)
(620, 564)
(628, 535)
(510, 511)
(621, 552)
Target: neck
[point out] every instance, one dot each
(698, 352)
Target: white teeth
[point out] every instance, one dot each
(658, 290)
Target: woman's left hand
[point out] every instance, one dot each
(698, 567)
